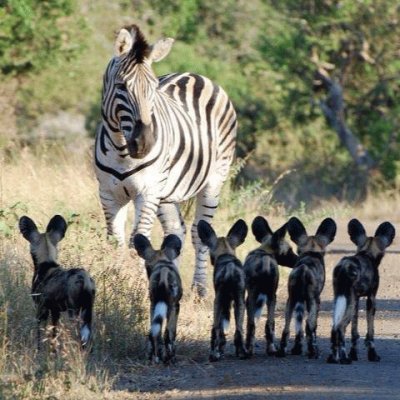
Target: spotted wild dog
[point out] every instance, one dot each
(229, 285)
(305, 284)
(354, 277)
(262, 278)
(165, 289)
(55, 289)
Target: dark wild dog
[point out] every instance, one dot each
(55, 289)
(354, 277)
(305, 284)
(262, 278)
(165, 290)
(229, 285)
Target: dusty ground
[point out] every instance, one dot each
(294, 377)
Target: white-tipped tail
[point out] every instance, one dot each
(260, 303)
(299, 314)
(339, 311)
(225, 325)
(160, 313)
(85, 334)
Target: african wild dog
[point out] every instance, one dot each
(55, 289)
(165, 289)
(354, 277)
(229, 285)
(262, 278)
(305, 283)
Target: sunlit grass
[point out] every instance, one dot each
(51, 179)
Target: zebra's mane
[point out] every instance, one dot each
(140, 48)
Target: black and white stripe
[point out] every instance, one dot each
(161, 141)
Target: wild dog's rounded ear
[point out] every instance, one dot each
(56, 229)
(172, 246)
(161, 49)
(278, 235)
(207, 234)
(296, 230)
(260, 228)
(28, 229)
(326, 231)
(356, 232)
(237, 234)
(143, 246)
(386, 232)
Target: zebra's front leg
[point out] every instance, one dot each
(145, 214)
(172, 222)
(206, 206)
(115, 213)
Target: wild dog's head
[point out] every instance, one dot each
(43, 245)
(222, 245)
(274, 242)
(372, 245)
(169, 251)
(317, 243)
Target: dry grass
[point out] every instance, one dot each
(52, 180)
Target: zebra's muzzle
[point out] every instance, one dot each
(141, 141)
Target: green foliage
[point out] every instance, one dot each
(35, 33)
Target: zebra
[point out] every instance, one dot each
(161, 141)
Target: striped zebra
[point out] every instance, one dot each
(161, 141)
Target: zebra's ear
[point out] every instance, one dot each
(123, 43)
(56, 229)
(143, 246)
(207, 234)
(171, 246)
(161, 49)
(28, 229)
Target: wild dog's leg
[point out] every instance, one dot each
(55, 317)
(311, 328)
(206, 204)
(251, 327)
(42, 315)
(216, 330)
(299, 314)
(170, 334)
(270, 325)
(286, 330)
(239, 317)
(115, 213)
(354, 332)
(369, 340)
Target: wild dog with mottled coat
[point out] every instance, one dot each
(354, 277)
(229, 285)
(165, 289)
(55, 289)
(305, 283)
(262, 278)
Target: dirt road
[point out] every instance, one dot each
(294, 377)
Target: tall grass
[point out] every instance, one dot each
(49, 179)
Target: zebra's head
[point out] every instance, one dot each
(133, 86)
